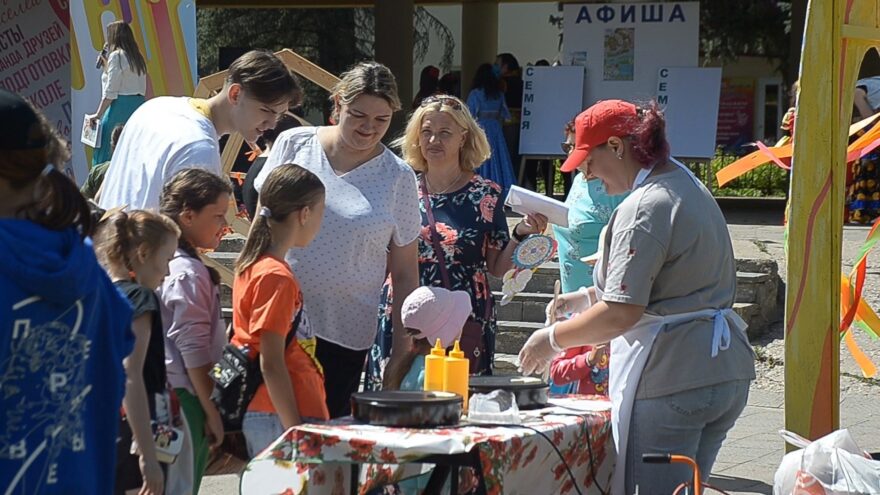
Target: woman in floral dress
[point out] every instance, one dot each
(444, 144)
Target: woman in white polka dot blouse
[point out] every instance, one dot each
(371, 224)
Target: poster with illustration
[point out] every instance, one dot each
(619, 51)
(578, 58)
(628, 43)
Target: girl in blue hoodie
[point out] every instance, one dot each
(64, 327)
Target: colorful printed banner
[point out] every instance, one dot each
(35, 56)
(165, 31)
(736, 112)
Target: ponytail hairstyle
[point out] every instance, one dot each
(193, 189)
(120, 235)
(649, 135)
(288, 189)
(30, 152)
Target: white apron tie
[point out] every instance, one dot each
(630, 351)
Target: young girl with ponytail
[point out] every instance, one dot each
(64, 328)
(197, 201)
(135, 249)
(267, 297)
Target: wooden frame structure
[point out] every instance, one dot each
(838, 33)
(210, 85)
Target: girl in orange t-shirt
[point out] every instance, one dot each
(267, 298)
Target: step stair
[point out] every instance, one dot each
(756, 300)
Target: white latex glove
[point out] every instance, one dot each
(537, 352)
(570, 304)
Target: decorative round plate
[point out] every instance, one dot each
(533, 251)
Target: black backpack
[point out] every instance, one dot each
(236, 378)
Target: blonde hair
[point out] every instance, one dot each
(475, 151)
(365, 78)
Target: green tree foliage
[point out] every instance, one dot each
(334, 39)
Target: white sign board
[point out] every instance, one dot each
(623, 45)
(552, 96)
(689, 96)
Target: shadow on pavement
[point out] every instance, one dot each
(732, 484)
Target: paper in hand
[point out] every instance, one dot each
(526, 202)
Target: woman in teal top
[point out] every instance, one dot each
(589, 209)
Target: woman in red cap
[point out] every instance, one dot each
(665, 285)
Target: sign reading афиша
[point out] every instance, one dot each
(624, 45)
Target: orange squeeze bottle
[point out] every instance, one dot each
(455, 374)
(434, 368)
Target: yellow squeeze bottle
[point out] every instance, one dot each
(434, 368)
(455, 374)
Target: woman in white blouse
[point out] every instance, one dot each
(123, 84)
(371, 223)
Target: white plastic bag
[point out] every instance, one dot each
(832, 465)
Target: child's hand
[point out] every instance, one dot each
(154, 479)
(594, 352)
(395, 371)
(213, 427)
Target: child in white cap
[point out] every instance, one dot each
(429, 313)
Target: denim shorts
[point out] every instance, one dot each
(262, 428)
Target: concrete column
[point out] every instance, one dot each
(394, 48)
(479, 38)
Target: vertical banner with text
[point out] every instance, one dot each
(35, 57)
(165, 31)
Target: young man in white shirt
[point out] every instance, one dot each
(168, 134)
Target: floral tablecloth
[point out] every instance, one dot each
(313, 459)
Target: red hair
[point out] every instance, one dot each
(649, 136)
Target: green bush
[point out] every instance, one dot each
(766, 181)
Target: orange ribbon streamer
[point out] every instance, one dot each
(751, 161)
(866, 314)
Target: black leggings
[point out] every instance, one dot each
(342, 375)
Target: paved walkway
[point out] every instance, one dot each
(749, 458)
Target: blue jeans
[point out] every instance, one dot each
(262, 428)
(692, 423)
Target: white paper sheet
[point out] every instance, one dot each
(526, 202)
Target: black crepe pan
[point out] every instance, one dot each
(414, 409)
(530, 392)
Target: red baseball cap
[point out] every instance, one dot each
(595, 125)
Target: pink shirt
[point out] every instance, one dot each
(195, 332)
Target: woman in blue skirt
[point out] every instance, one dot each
(486, 103)
(123, 84)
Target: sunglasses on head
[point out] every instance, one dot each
(449, 101)
(567, 147)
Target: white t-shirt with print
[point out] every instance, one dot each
(164, 136)
(367, 209)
